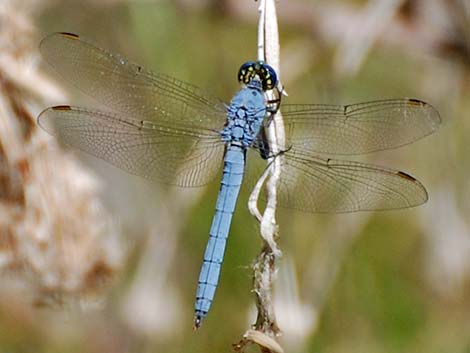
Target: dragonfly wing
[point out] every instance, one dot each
(313, 184)
(168, 153)
(358, 128)
(129, 88)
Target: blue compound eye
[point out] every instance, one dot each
(268, 76)
(247, 71)
(265, 73)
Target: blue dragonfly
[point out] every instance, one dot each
(157, 127)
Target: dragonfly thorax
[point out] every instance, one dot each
(245, 116)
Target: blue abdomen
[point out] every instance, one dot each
(234, 166)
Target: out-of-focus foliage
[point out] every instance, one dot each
(370, 282)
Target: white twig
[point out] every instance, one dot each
(254, 196)
(268, 51)
(265, 264)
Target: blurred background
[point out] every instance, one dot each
(95, 260)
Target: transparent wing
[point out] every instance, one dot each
(173, 154)
(127, 87)
(358, 128)
(313, 184)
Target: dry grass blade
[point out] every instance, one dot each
(56, 238)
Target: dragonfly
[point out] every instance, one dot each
(160, 128)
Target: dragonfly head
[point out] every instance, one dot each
(260, 71)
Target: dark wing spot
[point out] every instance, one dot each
(62, 107)
(406, 176)
(416, 102)
(69, 35)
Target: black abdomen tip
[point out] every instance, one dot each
(197, 322)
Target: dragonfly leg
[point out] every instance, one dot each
(274, 104)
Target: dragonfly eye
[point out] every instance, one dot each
(265, 73)
(268, 76)
(247, 71)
